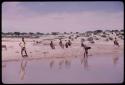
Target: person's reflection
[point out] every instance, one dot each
(22, 68)
(61, 63)
(51, 64)
(115, 59)
(85, 62)
(67, 63)
(4, 65)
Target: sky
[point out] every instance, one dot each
(63, 16)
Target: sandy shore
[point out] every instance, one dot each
(43, 50)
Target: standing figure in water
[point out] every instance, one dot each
(69, 43)
(116, 42)
(86, 48)
(23, 48)
(52, 45)
(85, 58)
(61, 44)
(66, 44)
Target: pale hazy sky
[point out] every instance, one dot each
(62, 16)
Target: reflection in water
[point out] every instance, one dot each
(4, 65)
(85, 62)
(102, 70)
(22, 69)
(51, 64)
(115, 59)
(67, 64)
(61, 63)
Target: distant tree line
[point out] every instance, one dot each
(17, 34)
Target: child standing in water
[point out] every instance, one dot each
(23, 48)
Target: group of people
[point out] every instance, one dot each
(66, 45)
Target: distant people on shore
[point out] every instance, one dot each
(116, 42)
(69, 43)
(23, 48)
(4, 46)
(61, 44)
(66, 44)
(52, 45)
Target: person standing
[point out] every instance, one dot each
(69, 43)
(116, 42)
(61, 44)
(52, 45)
(86, 48)
(23, 48)
(66, 44)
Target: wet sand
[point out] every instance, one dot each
(100, 69)
(44, 51)
(44, 65)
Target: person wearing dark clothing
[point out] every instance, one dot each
(66, 44)
(61, 44)
(116, 42)
(69, 43)
(86, 49)
(52, 45)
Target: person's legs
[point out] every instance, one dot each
(25, 52)
(22, 52)
(87, 53)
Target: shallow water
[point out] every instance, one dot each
(98, 69)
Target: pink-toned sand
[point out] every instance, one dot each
(43, 50)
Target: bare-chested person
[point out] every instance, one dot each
(23, 48)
